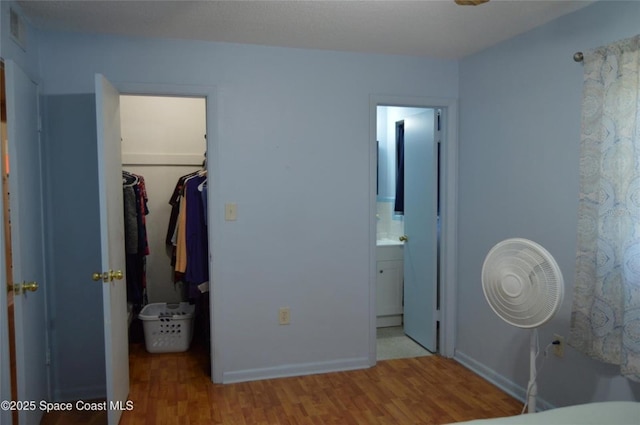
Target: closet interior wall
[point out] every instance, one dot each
(163, 138)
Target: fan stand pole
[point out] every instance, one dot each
(533, 387)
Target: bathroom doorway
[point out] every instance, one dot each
(406, 231)
(442, 316)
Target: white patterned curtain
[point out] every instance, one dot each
(605, 320)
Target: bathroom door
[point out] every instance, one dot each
(114, 290)
(420, 225)
(27, 243)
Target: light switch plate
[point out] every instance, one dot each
(230, 211)
(284, 315)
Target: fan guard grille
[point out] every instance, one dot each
(522, 282)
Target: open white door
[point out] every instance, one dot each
(420, 225)
(27, 241)
(114, 292)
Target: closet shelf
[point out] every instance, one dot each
(161, 159)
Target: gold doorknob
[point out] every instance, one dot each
(403, 238)
(108, 276)
(118, 275)
(21, 288)
(30, 286)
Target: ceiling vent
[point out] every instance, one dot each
(17, 29)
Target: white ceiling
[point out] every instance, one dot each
(435, 28)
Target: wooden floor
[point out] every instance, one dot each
(174, 389)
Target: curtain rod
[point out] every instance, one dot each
(578, 56)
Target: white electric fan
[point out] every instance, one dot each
(523, 285)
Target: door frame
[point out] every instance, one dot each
(5, 367)
(209, 93)
(34, 359)
(448, 214)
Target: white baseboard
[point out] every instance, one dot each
(85, 393)
(517, 391)
(295, 370)
(387, 321)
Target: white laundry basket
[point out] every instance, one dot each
(168, 328)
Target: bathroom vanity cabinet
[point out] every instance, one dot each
(389, 285)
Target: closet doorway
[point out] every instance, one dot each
(163, 140)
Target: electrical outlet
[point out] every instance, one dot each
(558, 349)
(284, 315)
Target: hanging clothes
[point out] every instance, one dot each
(172, 230)
(196, 235)
(187, 232)
(136, 243)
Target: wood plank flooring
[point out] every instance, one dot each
(174, 388)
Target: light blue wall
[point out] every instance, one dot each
(75, 336)
(519, 149)
(282, 116)
(292, 143)
(75, 306)
(26, 58)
